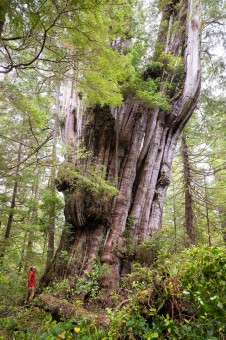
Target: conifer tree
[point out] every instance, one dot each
(129, 148)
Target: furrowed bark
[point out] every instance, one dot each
(135, 143)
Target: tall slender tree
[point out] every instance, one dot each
(52, 186)
(12, 204)
(189, 219)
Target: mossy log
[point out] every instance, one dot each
(63, 309)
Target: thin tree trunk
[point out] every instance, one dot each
(12, 205)
(52, 212)
(13, 201)
(189, 219)
(223, 225)
(31, 234)
(207, 213)
(3, 11)
(21, 263)
(174, 218)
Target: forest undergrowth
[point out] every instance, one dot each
(178, 296)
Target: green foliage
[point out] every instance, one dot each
(126, 322)
(60, 288)
(12, 287)
(49, 201)
(183, 297)
(148, 251)
(178, 299)
(59, 330)
(71, 329)
(195, 285)
(165, 72)
(80, 38)
(173, 65)
(90, 284)
(207, 289)
(20, 99)
(76, 287)
(100, 83)
(25, 322)
(93, 180)
(136, 53)
(146, 91)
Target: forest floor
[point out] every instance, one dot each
(180, 298)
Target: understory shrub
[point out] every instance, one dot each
(181, 297)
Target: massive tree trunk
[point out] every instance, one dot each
(133, 146)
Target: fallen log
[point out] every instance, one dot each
(63, 309)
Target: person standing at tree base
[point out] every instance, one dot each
(31, 283)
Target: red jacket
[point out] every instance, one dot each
(31, 279)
